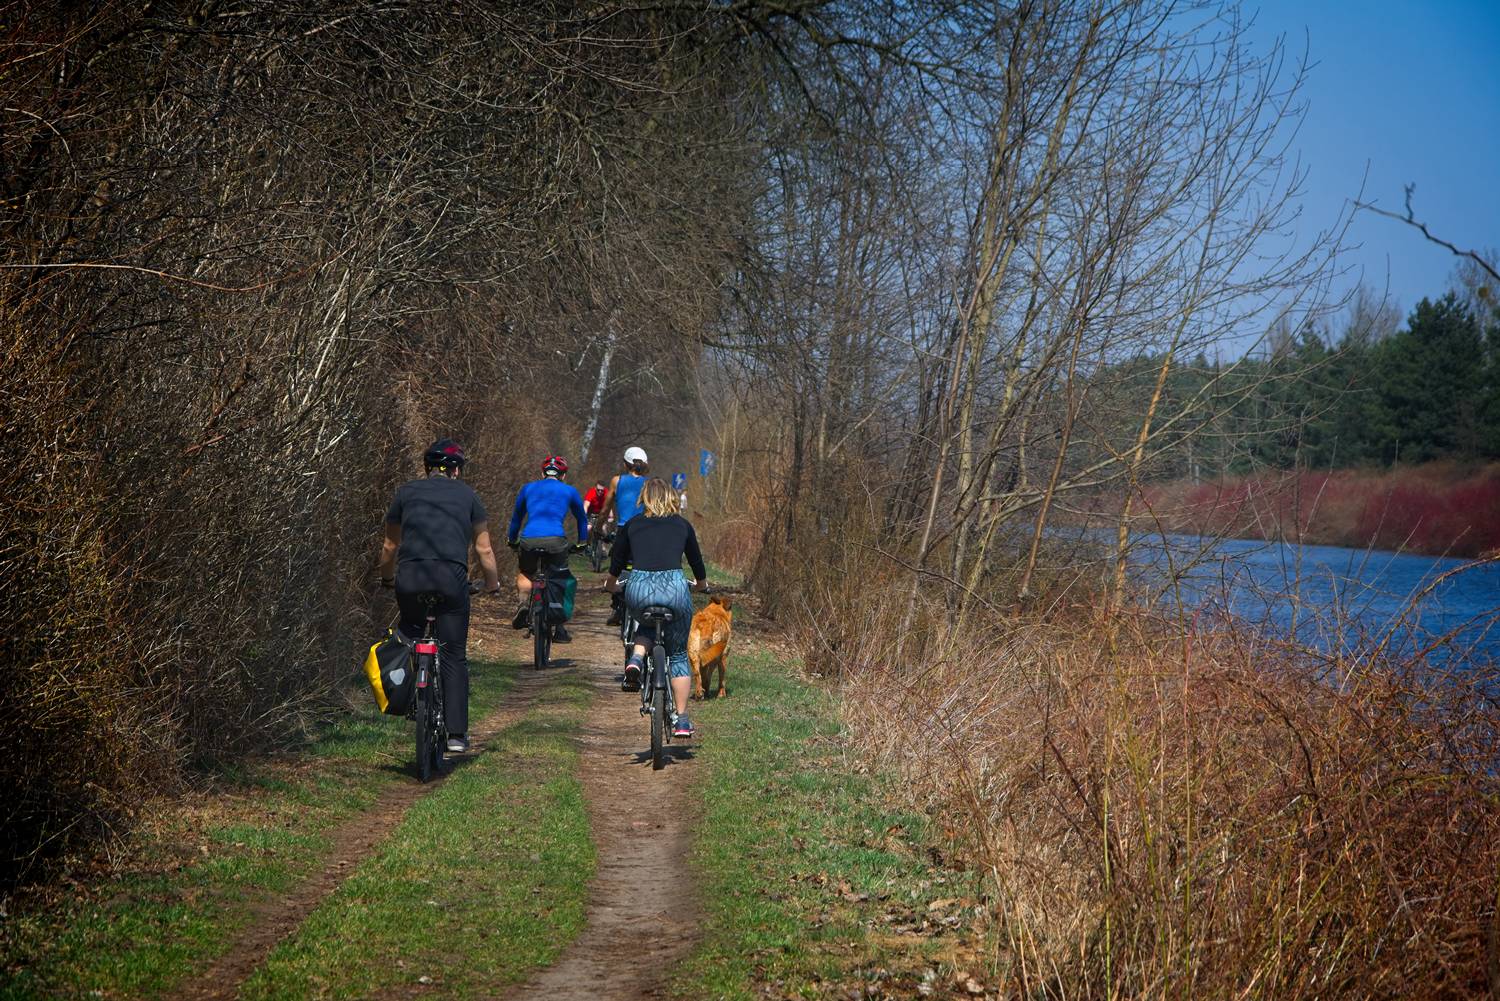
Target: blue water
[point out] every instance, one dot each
(1349, 601)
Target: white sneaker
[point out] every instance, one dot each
(458, 745)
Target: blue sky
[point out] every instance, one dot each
(1411, 93)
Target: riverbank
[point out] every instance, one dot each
(1172, 806)
(1438, 509)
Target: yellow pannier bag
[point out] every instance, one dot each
(389, 668)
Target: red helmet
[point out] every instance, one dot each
(554, 465)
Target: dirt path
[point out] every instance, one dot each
(353, 841)
(642, 911)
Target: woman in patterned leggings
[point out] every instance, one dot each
(655, 542)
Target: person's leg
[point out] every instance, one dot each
(681, 672)
(453, 640)
(413, 615)
(632, 599)
(525, 567)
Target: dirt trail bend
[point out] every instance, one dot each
(642, 909)
(353, 841)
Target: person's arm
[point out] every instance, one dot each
(388, 550)
(392, 542)
(619, 555)
(515, 517)
(486, 555)
(575, 504)
(611, 505)
(695, 557)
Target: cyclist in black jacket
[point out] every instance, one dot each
(655, 542)
(429, 528)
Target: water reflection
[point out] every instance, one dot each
(1347, 601)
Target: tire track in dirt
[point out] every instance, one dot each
(642, 912)
(271, 921)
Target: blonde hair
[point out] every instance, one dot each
(657, 498)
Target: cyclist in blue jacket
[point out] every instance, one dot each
(538, 522)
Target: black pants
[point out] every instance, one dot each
(450, 580)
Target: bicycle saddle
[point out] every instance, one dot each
(658, 612)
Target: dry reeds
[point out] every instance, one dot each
(1169, 810)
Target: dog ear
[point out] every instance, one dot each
(725, 601)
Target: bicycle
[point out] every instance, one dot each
(656, 688)
(537, 619)
(598, 553)
(427, 708)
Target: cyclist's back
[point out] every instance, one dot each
(437, 516)
(542, 508)
(628, 497)
(428, 530)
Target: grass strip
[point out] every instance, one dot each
(484, 881)
(196, 873)
(813, 886)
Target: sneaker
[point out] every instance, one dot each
(632, 677)
(683, 727)
(523, 617)
(614, 618)
(561, 635)
(458, 744)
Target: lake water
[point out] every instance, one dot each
(1331, 597)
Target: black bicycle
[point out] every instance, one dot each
(539, 617)
(427, 708)
(656, 690)
(598, 548)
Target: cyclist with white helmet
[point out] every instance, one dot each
(539, 523)
(625, 503)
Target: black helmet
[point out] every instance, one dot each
(445, 453)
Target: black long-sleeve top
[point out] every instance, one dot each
(657, 544)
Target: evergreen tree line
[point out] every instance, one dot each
(1363, 394)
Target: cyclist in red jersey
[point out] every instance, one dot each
(595, 500)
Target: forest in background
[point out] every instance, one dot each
(925, 278)
(1368, 432)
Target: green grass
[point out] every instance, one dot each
(484, 881)
(812, 885)
(724, 578)
(192, 883)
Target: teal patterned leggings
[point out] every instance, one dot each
(664, 587)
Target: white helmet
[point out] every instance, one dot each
(635, 454)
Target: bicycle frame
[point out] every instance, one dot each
(657, 703)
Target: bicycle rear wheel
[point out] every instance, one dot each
(658, 727)
(658, 706)
(541, 636)
(425, 730)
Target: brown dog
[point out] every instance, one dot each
(708, 644)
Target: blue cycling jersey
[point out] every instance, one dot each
(628, 497)
(544, 506)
